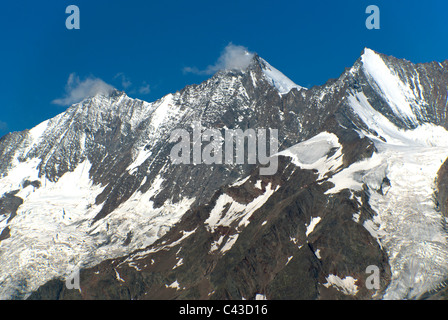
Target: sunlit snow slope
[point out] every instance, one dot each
(408, 224)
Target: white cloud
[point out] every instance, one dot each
(126, 84)
(125, 81)
(144, 89)
(77, 90)
(232, 57)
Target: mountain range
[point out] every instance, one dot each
(362, 180)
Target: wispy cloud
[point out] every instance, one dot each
(232, 57)
(125, 81)
(145, 88)
(127, 85)
(77, 90)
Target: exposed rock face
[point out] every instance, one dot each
(95, 188)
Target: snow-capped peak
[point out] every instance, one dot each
(281, 82)
(402, 99)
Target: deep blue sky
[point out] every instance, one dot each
(150, 42)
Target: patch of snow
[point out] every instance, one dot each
(220, 216)
(347, 285)
(254, 82)
(240, 182)
(229, 243)
(174, 285)
(312, 225)
(19, 173)
(374, 229)
(314, 153)
(133, 265)
(138, 208)
(117, 276)
(142, 155)
(216, 244)
(179, 263)
(163, 246)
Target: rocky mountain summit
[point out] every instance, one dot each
(361, 181)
